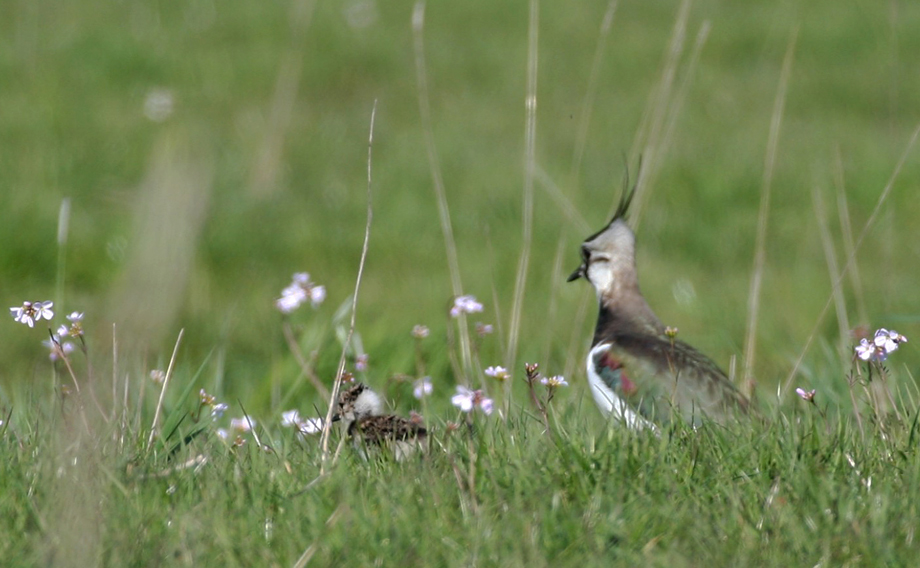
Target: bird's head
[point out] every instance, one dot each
(608, 256)
(357, 403)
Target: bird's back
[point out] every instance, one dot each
(379, 429)
(656, 376)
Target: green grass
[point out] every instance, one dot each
(797, 488)
(171, 229)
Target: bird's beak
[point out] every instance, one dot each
(579, 273)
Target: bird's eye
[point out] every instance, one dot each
(600, 257)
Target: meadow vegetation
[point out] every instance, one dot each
(167, 168)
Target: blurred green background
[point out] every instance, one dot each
(210, 150)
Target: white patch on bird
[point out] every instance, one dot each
(611, 259)
(600, 275)
(608, 401)
(367, 404)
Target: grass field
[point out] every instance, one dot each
(206, 152)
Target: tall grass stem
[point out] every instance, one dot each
(846, 231)
(649, 134)
(169, 372)
(760, 245)
(434, 163)
(587, 106)
(333, 398)
(833, 269)
(530, 135)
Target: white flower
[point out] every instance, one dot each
(310, 426)
(422, 388)
(463, 399)
(157, 376)
(865, 349)
(484, 329)
(361, 362)
(43, 310)
(17, 314)
(807, 396)
(75, 329)
(223, 434)
(420, 331)
(888, 340)
(466, 400)
(56, 348)
(244, 424)
(299, 291)
(291, 299)
(31, 312)
(498, 372)
(205, 399)
(287, 304)
(465, 305)
(218, 409)
(317, 295)
(884, 343)
(290, 418)
(554, 381)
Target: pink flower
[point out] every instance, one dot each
(807, 396)
(467, 399)
(31, 312)
(465, 305)
(498, 373)
(554, 381)
(299, 291)
(422, 388)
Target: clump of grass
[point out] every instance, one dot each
(794, 488)
(492, 487)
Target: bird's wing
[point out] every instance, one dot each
(378, 429)
(631, 380)
(656, 375)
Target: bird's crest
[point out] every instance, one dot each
(628, 193)
(626, 198)
(609, 251)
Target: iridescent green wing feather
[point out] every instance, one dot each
(662, 376)
(632, 380)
